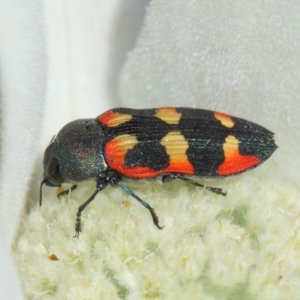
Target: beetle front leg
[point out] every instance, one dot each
(101, 184)
(66, 192)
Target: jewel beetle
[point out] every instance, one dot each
(171, 142)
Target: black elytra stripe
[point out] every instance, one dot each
(148, 154)
(205, 137)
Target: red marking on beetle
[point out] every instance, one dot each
(106, 117)
(116, 150)
(235, 162)
(113, 119)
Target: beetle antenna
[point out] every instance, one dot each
(44, 181)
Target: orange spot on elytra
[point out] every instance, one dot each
(235, 162)
(168, 115)
(176, 146)
(226, 120)
(113, 119)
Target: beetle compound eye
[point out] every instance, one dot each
(53, 172)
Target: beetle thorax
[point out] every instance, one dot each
(78, 148)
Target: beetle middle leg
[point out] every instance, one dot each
(114, 178)
(66, 192)
(170, 177)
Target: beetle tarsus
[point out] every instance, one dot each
(216, 190)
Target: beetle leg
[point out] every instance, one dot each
(66, 192)
(101, 184)
(169, 177)
(115, 179)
